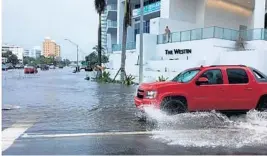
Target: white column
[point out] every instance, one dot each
(165, 9)
(120, 15)
(109, 43)
(259, 14)
(200, 13)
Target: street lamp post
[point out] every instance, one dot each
(77, 52)
(141, 42)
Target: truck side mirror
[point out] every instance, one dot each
(202, 80)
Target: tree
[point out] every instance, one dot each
(127, 21)
(100, 6)
(93, 59)
(11, 58)
(28, 60)
(66, 62)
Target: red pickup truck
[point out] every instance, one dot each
(218, 87)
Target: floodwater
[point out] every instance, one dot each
(62, 102)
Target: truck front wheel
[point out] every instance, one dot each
(262, 105)
(174, 105)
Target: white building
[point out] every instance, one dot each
(35, 52)
(26, 53)
(203, 32)
(16, 50)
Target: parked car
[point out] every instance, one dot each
(225, 88)
(44, 67)
(52, 67)
(19, 66)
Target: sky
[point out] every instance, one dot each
(27, 22)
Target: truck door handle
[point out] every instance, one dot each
(248, 89)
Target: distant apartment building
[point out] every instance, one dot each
(58, 50)
(50, 48)
(26, 53)
(16, 50)
(35, 52)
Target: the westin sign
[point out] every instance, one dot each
(178, 51)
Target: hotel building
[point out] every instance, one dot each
(203, 32)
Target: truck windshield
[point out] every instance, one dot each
(186, 76)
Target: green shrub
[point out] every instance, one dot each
(105, 77)
(162, 79)
(129, 80)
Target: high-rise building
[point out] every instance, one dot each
(104, 30)
(50, 48)
(115, 14)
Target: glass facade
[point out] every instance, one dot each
(146, 28)
(214, 32)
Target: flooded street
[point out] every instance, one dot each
(62, 113)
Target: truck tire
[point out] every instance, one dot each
(262, 105)
(174, 105)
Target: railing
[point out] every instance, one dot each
(129, 46)
(112, 7)
(213, 32)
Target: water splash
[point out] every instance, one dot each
(209, 129)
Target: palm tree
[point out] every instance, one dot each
(95, 48)
(127, 21)
(100, 6)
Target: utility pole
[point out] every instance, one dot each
(141, 42)
(77, 57)
(77, 52)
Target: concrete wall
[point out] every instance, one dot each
(203, 52)
(183, 10)
(158, 25)
(224, 14)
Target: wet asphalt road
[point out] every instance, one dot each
(58, 102)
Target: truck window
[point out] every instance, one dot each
(214, 76)
(237, 76)
(186, 76)
(258, 75)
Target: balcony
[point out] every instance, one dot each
(213, 32)
(148, 9)
(129, 46)
(111, 26)
(112, 11)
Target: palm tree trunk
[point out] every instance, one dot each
(99, 46)
(99, 41)
(123, 50)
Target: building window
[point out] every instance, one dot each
(137, 6)
(146, 28)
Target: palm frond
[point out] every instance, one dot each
(100, 6)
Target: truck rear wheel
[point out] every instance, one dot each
(174, 105)
(262, 105)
